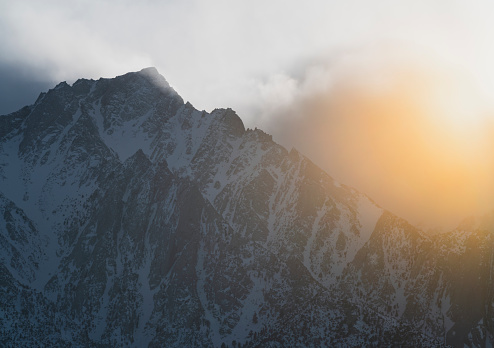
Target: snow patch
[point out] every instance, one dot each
(368, 215)
(201, 284)
(310, 241)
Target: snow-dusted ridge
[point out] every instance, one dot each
(130, 218)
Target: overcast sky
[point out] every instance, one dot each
(225, 52)
(266, 59)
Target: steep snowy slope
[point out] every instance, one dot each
(130, 219)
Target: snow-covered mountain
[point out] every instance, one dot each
(129, 218)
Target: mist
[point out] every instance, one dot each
(217, 53)
(363, 114)
(389, 123)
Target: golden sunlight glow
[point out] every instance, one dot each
(421, 146)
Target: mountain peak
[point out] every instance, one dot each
(152, 75)
(62, 84)
(151, 70)
(128, 216)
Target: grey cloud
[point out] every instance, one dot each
(19, 87)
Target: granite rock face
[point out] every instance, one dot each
(129, 218)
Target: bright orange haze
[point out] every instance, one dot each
(412, 144)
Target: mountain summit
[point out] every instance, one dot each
(129, 218)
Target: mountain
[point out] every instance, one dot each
(129, 218)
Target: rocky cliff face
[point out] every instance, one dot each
(129, 218)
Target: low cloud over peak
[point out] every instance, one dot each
(374, 120)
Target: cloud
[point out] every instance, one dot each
(283, 65)
(58, 43)
(216, 53)
(371, 119)
(18, 88)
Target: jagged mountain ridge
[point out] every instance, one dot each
(131, 218)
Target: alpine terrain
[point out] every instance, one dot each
(129, 218)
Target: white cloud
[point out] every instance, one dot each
(263, 58)
(220, 53)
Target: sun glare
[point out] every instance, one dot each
(418, 143)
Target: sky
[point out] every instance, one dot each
(293, 69)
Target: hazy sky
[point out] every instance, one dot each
(265, 59)
(225, 52)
